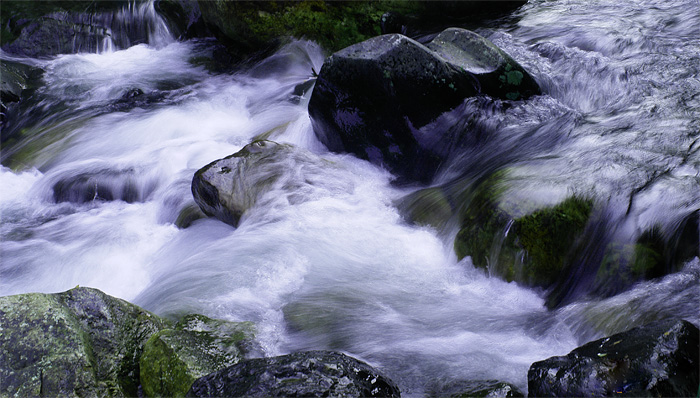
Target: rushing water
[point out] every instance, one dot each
(98, 179)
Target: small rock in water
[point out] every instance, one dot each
(229, 187)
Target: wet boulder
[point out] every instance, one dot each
(197, 346)
(376, 99)
(78, 343)
(656, 360)
(520, 232)
(476, 388)
(303, 374)
(262, 172)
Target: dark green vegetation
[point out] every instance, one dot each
(655, 360)
(251, 26)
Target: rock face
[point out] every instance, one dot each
(174, 358)
(304, 374)
(477, 388)
(373, 98)
(261, 171)
(656, 360)
(81, 342)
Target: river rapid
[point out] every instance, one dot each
(92, 190)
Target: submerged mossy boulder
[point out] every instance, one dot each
(427, 207)
(262, 171)
(656, 360)
(519, 241)
(652, 254)
(378, 98)
(197, 346)
(78, 343)
(302, 374)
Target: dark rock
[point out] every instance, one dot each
(102, 185)
(656, 360)
(303, 374)
(227, 188)
(372, 97)
(375, 98)
(197, 346)
(184, 18)
(477, 388)
(499, 75)
(78, 343)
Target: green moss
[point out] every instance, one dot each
(548, 236)
(174, 358)
(519, 240)
(428, 207)
(249, 26)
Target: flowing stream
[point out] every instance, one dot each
(108, 144)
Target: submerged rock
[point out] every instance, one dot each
(174, 358)
(375, 98)
(655, 360)
(524, 241)
(303, 374)
(78, 343)
(262, 171)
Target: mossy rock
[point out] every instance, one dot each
(427, 207)
(519, 241)
(174, 358)
(78, 343)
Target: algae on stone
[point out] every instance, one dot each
(528, 246)
(77, 343)
(174, 358)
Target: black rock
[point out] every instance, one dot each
(303, 374)
(656, 360)
(374, 99)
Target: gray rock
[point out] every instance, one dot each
(656, 360)
(78, 343)
(262, 171)
(303, 374)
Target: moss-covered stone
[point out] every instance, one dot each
(522, 241)
(174, 358)
(427, 207)
(78, 343)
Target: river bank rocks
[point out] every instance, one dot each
(78, 343)
(374, 99)
(304, 374)
(263, 171)
(655, 360)
(85, 343)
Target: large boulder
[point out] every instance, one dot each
(262, 171)
(655, 360)
(303, 374)
(197, 346)
(78, 343)
(375, 99)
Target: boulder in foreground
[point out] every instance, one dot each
(656, 360)
(303, 374)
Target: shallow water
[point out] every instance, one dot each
(98, 181)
